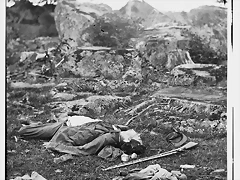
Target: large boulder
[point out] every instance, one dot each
(99, 61)
(73, 17)
(194, 74)
(107, 70)
(178, 57)
(92, 64)
(166, 53)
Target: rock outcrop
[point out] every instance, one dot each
(165, 53)
(143, 10)
(73, 17)
(209, 22)
(193, 74)
(93, 106)
(94, 62)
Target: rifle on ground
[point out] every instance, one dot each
(174, 151)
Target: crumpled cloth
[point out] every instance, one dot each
(110, 153)
(80, 120)
(152, 172)
(126, 136)
(86, 139)
(40, 131)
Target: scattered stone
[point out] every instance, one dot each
(191, 122)
(63, 158)
(27, 151)
(58, 171)
(125, 157)
(187, 166)
(134, 156)
(64, 96)
(153, 133)
(11, 151)
(167, 125)
(224, 115)
(31, 55)
(61, 85)
(21, 85)
(222, 126)
(218, 171)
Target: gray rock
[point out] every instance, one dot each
(22, 85)
(100, 63)
(191, 122)
(31, 55)
(64, 96)
(133, 75)
(96, 105)
(62, 85)
(163, 53)
(193, 74)
(178, 57)
(73, 17)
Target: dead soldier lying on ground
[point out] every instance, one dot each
(81, 135)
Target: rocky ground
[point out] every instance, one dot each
(119, 91)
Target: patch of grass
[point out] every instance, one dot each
(29, 156)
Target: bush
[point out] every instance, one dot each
(201, 51)
(112, 30)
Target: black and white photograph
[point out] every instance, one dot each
(120, 90)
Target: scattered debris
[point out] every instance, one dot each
(27, 150)
(58, 171)
(34, 176)
(179, 175)
(155, 172)
(22, 105)
(153, 133)
(134, 156)
(15, 138)
(11, 151)
(125, 157)
(64, 96)
(110, 153)
(218, 171)
(63, 158)
(16, 85)
(141, 107)
(187, 166)
(174, 151)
